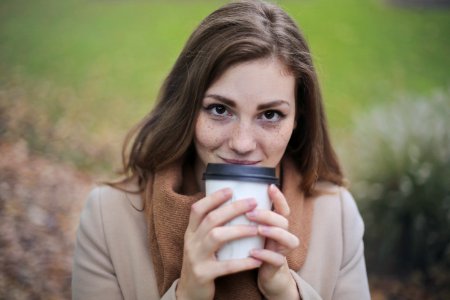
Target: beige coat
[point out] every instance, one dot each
(112, 259)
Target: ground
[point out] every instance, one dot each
(40, 203)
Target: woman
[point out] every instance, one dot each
(243, 91)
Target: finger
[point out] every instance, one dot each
(200, 208)
(218, 236)
(227, 267)
(225, 213)
(279, 201)
(273, 258)
(279, 235)
(267, 217)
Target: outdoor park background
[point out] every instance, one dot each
(76, 75)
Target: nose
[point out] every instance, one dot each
(242, 139)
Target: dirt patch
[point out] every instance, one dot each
(40, 202)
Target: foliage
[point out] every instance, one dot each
(52, 123)
(401, 173)
(40, 203)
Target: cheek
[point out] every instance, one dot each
(207, 135)
(277, 142)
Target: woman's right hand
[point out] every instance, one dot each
(205, 235)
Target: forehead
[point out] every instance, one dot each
(262, 79)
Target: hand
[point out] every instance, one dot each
(204, 235)
(274, 278)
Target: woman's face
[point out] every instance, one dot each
(247, 116)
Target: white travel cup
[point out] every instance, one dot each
(245, 182)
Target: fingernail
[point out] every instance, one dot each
(263, 229)
(251, 202)
(227, 192)
(255, 251)
(258, 262)
(252, 213)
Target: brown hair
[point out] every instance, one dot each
(237, 32)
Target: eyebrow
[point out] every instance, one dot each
(232, 103)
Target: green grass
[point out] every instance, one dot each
(110, 57)
(368, 52)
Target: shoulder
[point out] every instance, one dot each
(105, 208)
(336, 234)
(335, 210)
(113, 225)
(114, 210)
(111, 197)
(332, 196)
(350, 214)
(116, 215)
(352, 226)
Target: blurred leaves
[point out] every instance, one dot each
(401, 174)
(39, 208)
(53, 123)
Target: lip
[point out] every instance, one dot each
(240, 162)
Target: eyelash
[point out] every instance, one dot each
(279, 113)
(211, 107)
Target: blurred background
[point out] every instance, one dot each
(76, 75)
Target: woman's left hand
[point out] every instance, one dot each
(274, 277)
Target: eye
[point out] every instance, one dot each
(271, 115)
(217, 110)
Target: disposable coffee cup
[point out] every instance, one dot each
(245, 182)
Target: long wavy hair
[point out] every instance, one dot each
(235, 33)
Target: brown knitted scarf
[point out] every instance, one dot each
(169, 197)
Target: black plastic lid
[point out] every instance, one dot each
(240, 172)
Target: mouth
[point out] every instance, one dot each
(240, 162)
